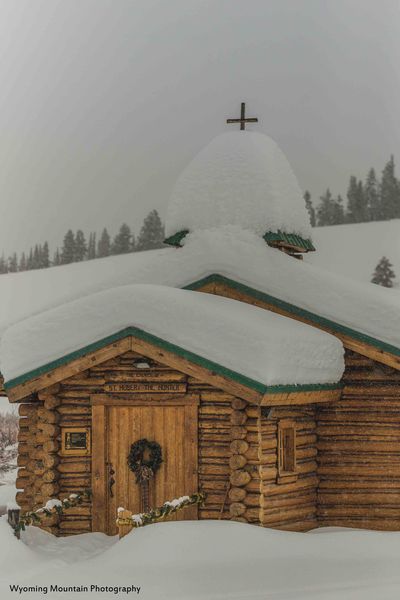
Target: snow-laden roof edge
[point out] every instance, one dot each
(295, 310)
(266, 350)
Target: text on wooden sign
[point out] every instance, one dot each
(152, 386)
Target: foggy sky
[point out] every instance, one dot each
(103, 102)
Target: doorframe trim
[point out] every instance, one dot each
(100, 403)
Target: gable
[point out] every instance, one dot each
(165, 353)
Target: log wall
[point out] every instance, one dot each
(359, 449)
(290, 506)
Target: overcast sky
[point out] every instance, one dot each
(103, 102)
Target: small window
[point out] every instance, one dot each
(286, 451)
(75, 441)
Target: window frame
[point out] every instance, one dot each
(286, 475)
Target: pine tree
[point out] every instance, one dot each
(80, 249)
(44, 256)
(122, 241)
(310, 208)
(36, 257)
(3, 265)
(29, 262)
(372, 198)
(390, 192)
(327, 210)
(338, 211)
(152, 232)
(383, 274)
(57, 258)
(13, 263)
(92, 246)
(356, 205)
(68, 249)
(22, 262)
(104, 244)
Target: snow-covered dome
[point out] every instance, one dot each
(240, 178)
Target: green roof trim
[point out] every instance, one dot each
(175, 240)
(296, 311)
(216, 368)
(289, 238)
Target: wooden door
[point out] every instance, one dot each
(116, 426)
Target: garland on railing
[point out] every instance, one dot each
(157, 514)
(52, 507)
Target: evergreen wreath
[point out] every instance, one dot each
(143, 468)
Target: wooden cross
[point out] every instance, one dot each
(242, 119)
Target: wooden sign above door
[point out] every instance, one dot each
(158, 387)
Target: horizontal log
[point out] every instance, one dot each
(51, 446)
(360, 470)
(361, 511)
(285, 488)
(237, 494)
(238, 403)
(81, 525)
(27, 410)
(237, 509)
(253, 514)
(74, 409)
(238, 418)
(357, 498)
(360, 484)
(239, 447)
(240, 478)
(287, 500)
(47, 416)
(306, 525)
(50, 475)
(49, 490)
(48, 428)
(281, 515)
(238, 433)
(378, 523)
(74, 466)
(237, 461)
(51, 402)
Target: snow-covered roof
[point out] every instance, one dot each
(236, 254)
(265, 347)
(240, 178)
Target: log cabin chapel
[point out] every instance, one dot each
(266, 382)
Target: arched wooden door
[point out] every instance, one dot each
(117, 423)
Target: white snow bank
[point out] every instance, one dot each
(239, 178)
(213, 560)
(229, 251)
(253, 342)
(355, 250)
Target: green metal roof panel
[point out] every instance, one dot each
(289, 238)
(175, 240)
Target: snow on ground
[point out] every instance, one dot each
(213, 560)
(230, 251)
(355, 250)
(263, 346)
(7, 407)
(239, 178)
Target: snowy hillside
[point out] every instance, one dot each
(354, 250)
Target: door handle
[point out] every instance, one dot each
(111, 480)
